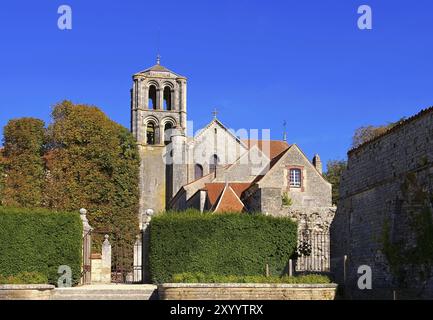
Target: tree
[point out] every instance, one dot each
(2, 173)
(93, 162)
(23, 163)
(367, 133)
(335, 169)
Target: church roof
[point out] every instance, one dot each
(276, 147)
(220, 124)
(159, 68)
(215, 189)
(229, 201)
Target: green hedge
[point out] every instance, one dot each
(39, 241)
(212, 278)
(25, 278)
(225, 244)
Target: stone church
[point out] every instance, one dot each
(217, 170)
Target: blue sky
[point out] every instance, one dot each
(258, 62)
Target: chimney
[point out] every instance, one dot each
(317, 163)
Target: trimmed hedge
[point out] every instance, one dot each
(225, 244)
(24, 278)
(212, 278)
(39, 241)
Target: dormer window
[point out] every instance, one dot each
(295, 178)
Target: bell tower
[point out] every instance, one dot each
(158, 105)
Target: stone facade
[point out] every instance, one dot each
(384, 216)
(314, 190)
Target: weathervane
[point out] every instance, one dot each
(215, 112)
(158, 49)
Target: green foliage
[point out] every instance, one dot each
(335, 169)
(225, 244)
(286, 200)
(94, 163)
(39, 240)
(2, 174)
(23, 164)
(198, 277)
(24, 278)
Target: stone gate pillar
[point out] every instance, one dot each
(145, 236)
(87, 247)
(106, 261)
(138, 260)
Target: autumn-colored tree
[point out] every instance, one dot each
(2, 173)
(93, 162)
(23, 163)
(367, 133)
(335, 169)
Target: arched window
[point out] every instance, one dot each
(150, 133)
(167, 98)
(213, 163)
(152, 97)
(198, 171)
(167, 132)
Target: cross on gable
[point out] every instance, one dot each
(215, 112)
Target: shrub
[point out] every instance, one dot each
(24, 278)
(226, 244)
(286, 200)
(198, 277)
(39, 240)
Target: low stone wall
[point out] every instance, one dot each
(246, 291)
(26, 291)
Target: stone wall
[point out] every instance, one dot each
(384, 210)
(317, 219)
(152, 178)
(246, 291)
(26, 291)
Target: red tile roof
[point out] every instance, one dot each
(229, 201)
(215, 189)
(276, 147)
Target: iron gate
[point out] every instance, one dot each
(125, 264)
(313, 254)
